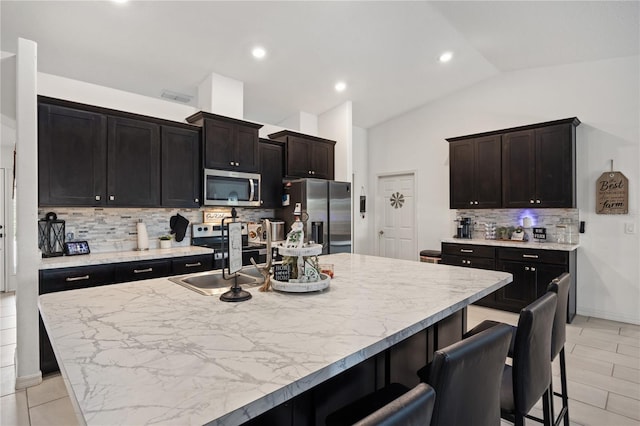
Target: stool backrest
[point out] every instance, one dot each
(531, 363)
(560, 286)
(413, 408)
(467, 376)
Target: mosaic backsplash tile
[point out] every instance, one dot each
(544, 218)
(114, 229)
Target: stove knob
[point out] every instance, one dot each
(206, 228)
(199, 228)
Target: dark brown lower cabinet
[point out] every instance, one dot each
(532, 269)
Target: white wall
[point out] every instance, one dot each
(336, 124)
(361, 225)
(604, 95)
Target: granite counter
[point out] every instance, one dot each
(155, 352)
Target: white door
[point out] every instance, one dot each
(3, 233)
(395, 217)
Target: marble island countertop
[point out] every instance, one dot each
(155, 352)
(120, 256)
(516, 244)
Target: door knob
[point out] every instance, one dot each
(381, 232)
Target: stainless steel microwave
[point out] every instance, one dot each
(225, 188)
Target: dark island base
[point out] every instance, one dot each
(397, 364)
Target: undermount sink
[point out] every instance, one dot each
(212, 283)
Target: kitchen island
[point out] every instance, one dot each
(155, 352)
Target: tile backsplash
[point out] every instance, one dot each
(544, 218)
(114, 229)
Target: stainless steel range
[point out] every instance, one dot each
(210, 235)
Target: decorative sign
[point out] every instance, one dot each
(281, 273)
(540, 233)
(612, 193)
(213, 216)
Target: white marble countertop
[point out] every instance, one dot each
(517, 244)
(120, 256)
(156, 352)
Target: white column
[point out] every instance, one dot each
(302, 122)
(221, 95)
(337, 124)
(27, 348)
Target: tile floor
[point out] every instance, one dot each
(603, 367)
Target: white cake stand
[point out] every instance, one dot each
(303, 287)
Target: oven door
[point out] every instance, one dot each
(225, 188)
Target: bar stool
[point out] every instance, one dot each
(395, 404)
(467, 376)
(529, 379)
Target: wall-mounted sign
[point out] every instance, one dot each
(612, 193)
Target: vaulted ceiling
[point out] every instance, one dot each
(386, 51)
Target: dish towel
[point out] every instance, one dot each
(178, 226)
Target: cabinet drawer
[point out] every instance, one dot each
(533, 255)
(187, 265)
(134, 271)
(469, 262)
(72, 278)
(468, 250)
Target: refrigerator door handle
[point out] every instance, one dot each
(317, 232)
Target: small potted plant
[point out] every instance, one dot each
(165, 241)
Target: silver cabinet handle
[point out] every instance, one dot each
(82, 278)
(530, 256)
(466, 251)
(537, 201)
(231, 163)
(191, 265)
(197, 200)
(533, 269)
(475, 202)
(531, 201)
(141, 271)
(526, 268)
(237, 164)
(112, 197)
(471, 202)
(97, 198)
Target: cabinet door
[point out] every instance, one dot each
(219, 145)
(271, 171)
(488, 172)
(461, 174)
(545, 274)
(522, 290)
(518, 169)
(135, 271)
(298, 154)
(555, 165)
(73, 278)
(72, 157)
(181, 180)
(133, 175)
(322, 159)
(190, 264)
(247, 150)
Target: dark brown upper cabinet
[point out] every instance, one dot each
(72, 157)
(539, 167)
(527, 166)
(475, 173)
(271, 171)
(97, 157)
(228, 143)
(180, 167)
(307, 156)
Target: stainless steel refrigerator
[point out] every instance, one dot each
(326, 209)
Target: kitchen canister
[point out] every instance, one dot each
(143, 237)
(490, 231)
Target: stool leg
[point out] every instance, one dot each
(546, 408)
(563, 380)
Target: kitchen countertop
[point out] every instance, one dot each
(156, 352)
(120, 256)
(517, 244)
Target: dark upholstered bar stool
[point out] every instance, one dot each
(529, 379)
(393, 405)
(467, 377)
(559, 286)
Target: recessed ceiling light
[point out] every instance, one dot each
(340, 86)
(120, 1)
(445, 57)
(258, 52)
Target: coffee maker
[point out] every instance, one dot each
(465, 227)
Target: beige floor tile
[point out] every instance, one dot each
(626, 373)
(589, 415)
(623, 405)
(6, 355)
(629, 350)
(600, 334)
(603, 323)
(7, 380)
(616, 358)
(608, 383)
(594, 365)
(50, 389)
(583, 393)
(585, 339)
(13, 409)
(54, 413)
(628, 332)
(8, 337)
(7, 322)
